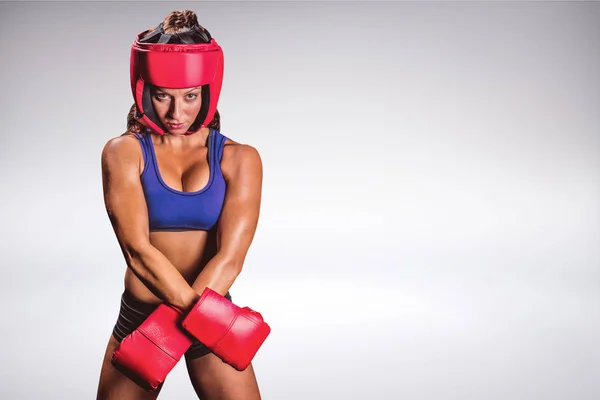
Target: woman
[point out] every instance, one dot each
(184, 203)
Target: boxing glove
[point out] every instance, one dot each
(232, 333)
(150, 352)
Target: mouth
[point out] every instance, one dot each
(174, 126)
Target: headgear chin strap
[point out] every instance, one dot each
(182, 63)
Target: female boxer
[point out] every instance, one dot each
(184, 203)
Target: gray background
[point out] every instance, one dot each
(430, 225)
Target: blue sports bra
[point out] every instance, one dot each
(174, 210)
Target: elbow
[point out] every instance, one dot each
(134, 255)
(233, 267)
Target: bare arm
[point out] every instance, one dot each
(238, 221)
(126, 208)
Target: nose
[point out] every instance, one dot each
(175, 109)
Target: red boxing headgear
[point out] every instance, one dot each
(176, 66)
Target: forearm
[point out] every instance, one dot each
(219, 274)
(160, 276)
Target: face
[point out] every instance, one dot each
(177, 109)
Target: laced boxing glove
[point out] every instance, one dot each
(232, 333)
(150, 352)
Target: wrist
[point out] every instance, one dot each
(188, 299)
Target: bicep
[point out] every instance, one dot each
(123, 194)
(241, 208)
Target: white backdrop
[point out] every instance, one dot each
(430, 225)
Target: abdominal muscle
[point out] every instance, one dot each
(188, 251)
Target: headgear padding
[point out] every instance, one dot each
(177, 66)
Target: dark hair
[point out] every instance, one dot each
(174, 23)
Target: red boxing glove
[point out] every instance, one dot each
(232, 333)
(150, 352)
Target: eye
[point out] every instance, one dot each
(192, 96)
(160, 96)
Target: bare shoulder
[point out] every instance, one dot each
(240, 158)
(120, 145)
(121, 150)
